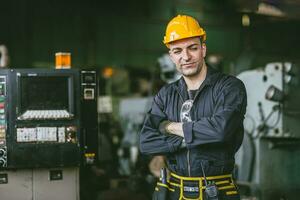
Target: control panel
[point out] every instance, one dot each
(48, 118)
(42, 118)
(89, 115)
(3, 124)
(59, 134)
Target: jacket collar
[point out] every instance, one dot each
(211, 77)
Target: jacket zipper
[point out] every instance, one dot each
(188, 151)
(188, 160)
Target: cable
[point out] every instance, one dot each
(251, 131)
(278, 117)
(264, 127)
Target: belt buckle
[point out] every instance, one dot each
(190, 189)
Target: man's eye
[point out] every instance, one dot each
(194, 48)
(176, 52)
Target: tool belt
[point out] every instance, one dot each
(192, 188)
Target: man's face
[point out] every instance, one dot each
(188, 56)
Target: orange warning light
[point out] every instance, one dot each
(108, 72)
(62, 60)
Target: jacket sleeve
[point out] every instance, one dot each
(153, 142)
(222, 126)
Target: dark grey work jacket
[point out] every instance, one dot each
(213, 136)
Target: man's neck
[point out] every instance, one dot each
(194, 82)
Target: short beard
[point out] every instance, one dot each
(195, 73)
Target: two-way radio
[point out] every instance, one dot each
(211, 190)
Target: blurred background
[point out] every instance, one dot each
(256, 40)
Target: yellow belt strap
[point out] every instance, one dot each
(200, 179)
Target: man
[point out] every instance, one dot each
(195, 122)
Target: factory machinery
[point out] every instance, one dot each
(268, 162)
(48, 130)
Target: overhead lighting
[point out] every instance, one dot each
(270, 10)
(245, 20)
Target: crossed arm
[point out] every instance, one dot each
(220, 127)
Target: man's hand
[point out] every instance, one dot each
(175, 128)
(168, 127)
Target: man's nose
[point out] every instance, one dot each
(186, 55)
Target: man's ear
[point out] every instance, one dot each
(203, 50)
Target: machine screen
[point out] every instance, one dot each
(44, 93)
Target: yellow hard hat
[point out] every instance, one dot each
(181, 27)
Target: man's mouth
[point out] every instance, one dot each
(188, 65)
